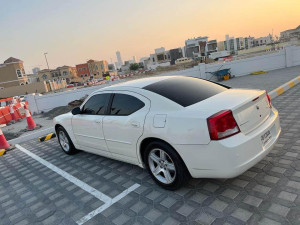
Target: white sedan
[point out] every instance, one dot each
(174, 126)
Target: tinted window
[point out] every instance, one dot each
(185, 91)
(96, 105)
(124, 105)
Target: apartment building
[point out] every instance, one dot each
(248, 42)
(233, 45)
(12, 73)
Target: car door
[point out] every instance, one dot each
(87, 126)
(124, 124)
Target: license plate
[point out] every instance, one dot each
(266, 137)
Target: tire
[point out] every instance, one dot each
(171, 172)
(65, 141)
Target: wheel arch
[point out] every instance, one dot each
(145, 142)
(57, 126)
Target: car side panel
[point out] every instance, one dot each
(65, 121)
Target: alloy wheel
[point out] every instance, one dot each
(162, 166)
(64, 141)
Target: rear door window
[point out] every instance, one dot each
(124, 105)
(185, 91)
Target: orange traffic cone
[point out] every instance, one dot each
(3, 142)
(30, 122)
(12, 113)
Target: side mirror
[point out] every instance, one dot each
(76, 111)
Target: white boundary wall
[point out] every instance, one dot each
(38, 103)
(287, 57)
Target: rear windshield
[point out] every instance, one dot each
(186, 91)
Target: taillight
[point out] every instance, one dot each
(222, 125)
(269, 99)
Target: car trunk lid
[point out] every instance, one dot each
(250, 108)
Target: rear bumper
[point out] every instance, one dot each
(232, 156)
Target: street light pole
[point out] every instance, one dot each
(46, 60)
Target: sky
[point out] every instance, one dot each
(74, 31)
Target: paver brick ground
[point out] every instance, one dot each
(268, 193)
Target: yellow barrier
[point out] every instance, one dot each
(47, 137)
(2, 152)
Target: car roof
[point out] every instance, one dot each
(139, 83)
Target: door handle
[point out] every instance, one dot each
(98, 121)
(135, 124)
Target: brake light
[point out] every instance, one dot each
(269, 99)
(222, 125)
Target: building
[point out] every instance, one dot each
(196, 47)
(263, 40)
(212, 46)
(119, 58)
(248, 42)
(35, 70)
(233, 45)
(160, 56)
(97, 69)
(126, 66)
(32, 78)
(12, 73)
(230, 44)
(289, 35)
(221, 46)
(66, 73)
(134, 59)
(111, 67)
(175, 53)
(83, 70)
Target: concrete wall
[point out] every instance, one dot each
(38, 87)
(249, 65)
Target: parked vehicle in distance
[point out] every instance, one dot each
(174, 126)
(70, 86)
(183, 60)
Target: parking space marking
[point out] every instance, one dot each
(97, 194)
(107, 205)
(69, 177)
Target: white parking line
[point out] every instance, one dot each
(106, 205)
(97, 194)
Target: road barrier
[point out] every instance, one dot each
(16, 109)
(283, 88)
(47, 137)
